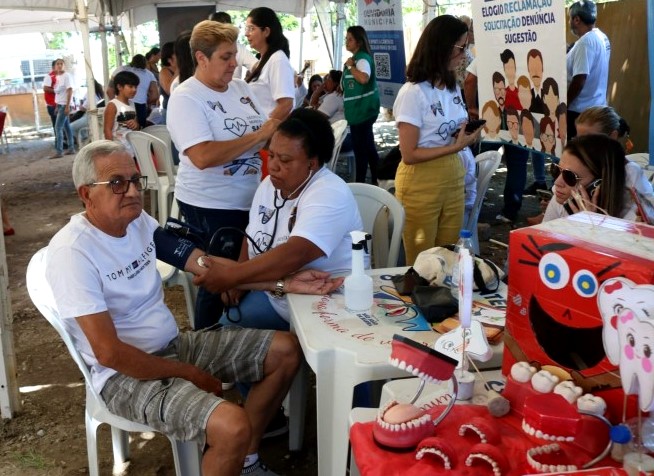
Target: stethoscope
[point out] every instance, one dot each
(283, 204)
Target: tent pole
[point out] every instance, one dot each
(650, 42)
(105, 50)
(303, 22)
(119, 53)
(83, 17)
(338, 40)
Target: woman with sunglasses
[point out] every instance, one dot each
(591, 176)
(273, 79)
(605, 120)
(431, 117)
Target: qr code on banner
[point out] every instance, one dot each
(383, 65)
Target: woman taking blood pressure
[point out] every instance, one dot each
(301, 217)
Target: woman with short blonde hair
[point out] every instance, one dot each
(218, 127)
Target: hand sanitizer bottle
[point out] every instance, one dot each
(358, 285)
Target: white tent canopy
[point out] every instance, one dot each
(60, 15)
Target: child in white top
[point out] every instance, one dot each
(120, 114)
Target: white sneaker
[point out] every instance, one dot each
(258, 469)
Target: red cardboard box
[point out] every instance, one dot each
(552, 316)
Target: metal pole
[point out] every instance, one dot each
(338, 39)
(83, 17)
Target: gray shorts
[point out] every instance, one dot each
(175, 406)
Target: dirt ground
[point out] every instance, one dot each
(47, 437)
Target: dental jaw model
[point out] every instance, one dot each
(404, 425)
(556, 413)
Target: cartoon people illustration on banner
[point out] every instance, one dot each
(522, 102)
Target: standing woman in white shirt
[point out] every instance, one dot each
(63, 90)
(431, 117)
(273, 79)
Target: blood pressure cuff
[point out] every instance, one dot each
(171, 248)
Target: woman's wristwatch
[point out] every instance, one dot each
(279, 289)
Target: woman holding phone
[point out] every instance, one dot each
(591, 177)
(431, 119)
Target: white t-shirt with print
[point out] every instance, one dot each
(91, 272)
(324, 213)
(196, 114)
(438, 113)
(276, 81)
(119, 131)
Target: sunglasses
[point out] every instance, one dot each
(570, 178)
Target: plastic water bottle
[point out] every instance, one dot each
(465, 242)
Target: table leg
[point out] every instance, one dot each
(297, 407)
(335, 381)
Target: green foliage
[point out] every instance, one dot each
(57, 40)
(32, 460)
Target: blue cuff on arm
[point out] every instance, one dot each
(172, 249)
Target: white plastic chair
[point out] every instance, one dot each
(171, 276)
(487, 163)
(161, 131)
(161, 178)
(642, 159)
(340, 132)
(186, 453)
(383, 217)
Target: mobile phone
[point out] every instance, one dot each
(590, 190)
(472, 126)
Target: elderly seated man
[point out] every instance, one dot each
(102, 270)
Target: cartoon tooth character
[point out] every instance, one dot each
(627, 310)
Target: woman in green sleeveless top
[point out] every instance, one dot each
(361, 101)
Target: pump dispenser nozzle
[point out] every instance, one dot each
(358, 285)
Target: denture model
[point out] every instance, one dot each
(404, 425)
(570, 424)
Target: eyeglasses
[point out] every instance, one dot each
(251, 28)
(121, 186)
(569, 177)
(547, 137)
(459, 49)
